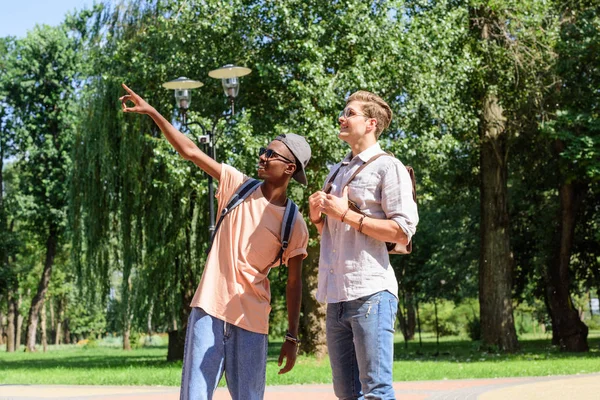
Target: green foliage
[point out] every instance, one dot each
(137, 213)
(91, 344)
(593, 323)
(453, 319)
(474, 328)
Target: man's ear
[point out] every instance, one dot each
(372, 124)
(291, 169)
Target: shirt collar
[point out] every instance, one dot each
(366, 155)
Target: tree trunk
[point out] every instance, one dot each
(496, 259)
(19, 327)
(312, 320)
(67, 331)
(411, 317)
(126, 336)
(38, 300)
(568, 331)
(11, 328)
(407, 317)
(177, 336)
(126, 316)
(52, 331)
(3, 323)
(59, 321)
(44, 337)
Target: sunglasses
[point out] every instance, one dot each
(270, 153)
(349, 113)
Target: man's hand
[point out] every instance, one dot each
(334, 206)
(139, 105)
(315, 203)
(289, 351)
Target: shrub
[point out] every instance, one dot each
(474, 328)
(593, 323)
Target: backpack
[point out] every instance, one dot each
(393, 248)
(241, 194)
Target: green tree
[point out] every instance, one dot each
(574, 129)
(42, 100)
(298, 84)
(9, 243)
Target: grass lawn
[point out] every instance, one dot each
(455, 358)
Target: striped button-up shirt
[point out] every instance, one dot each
(352, 264)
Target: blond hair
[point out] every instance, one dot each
(374, 107)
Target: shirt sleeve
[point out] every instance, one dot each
(298, 241)
(229, 181)
(397, 198)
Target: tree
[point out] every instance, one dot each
(574, 131)
(289, 47)
(41, 98)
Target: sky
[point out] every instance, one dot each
(17, 17)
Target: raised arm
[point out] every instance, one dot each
(180, 142)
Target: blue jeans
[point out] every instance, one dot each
(214, 347)
(360, 340)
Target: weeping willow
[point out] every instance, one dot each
(137, 208)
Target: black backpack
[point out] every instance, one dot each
(241, 194)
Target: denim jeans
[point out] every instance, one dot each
(360, 340)
(214, 347)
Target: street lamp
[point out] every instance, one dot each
(229, 74)
(182, 86)
(183, 95)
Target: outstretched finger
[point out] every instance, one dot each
(131, 92)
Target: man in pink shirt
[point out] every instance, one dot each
(228, 326)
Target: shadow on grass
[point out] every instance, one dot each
(101, 358)
(448, 350)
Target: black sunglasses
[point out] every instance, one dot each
(269, 153)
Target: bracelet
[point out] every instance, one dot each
(360, 223)
(321, 219)
(344, 214)
(290, 338)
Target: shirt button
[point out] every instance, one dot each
(331, 271)
(334, 250)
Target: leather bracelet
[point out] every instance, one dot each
(321, 219)
(360, 223)
(344, 214)
(290, 338)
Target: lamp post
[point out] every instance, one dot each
(182, 86)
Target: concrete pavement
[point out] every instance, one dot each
(580, 387)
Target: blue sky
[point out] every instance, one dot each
(19, 16)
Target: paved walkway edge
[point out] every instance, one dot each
(580, 387)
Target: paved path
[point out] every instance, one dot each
(580, 387)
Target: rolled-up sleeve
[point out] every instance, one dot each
(397, 198)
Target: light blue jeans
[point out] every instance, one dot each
(360, 340)
(214, 347)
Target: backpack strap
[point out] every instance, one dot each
(287, 226)
(329, 183)
(241, 194)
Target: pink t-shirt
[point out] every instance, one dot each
(234, 286)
